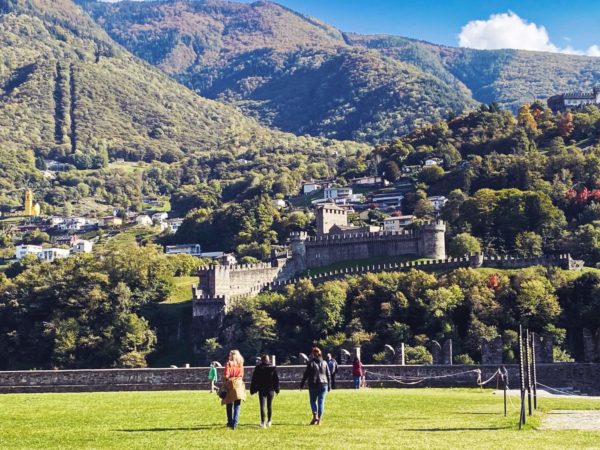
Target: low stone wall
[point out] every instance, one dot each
(583, 377)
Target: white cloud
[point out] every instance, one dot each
(508, 30)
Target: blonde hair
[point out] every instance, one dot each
(236, 357)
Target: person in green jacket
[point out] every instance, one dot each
(212, 376)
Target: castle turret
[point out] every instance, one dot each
(298, 247)
(432, 242)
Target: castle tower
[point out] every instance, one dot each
(329, 215)
(28, 207)
(597, 94)
(432, 242)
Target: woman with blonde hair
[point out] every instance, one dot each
(235, 390)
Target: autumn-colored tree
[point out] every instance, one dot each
(566, 126)
(525, 118)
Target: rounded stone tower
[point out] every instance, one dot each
(298, 250)
(432, 243)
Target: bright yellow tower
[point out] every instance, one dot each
(29, 203)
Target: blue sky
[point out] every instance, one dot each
(572, 25)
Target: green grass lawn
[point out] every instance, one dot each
(377, 418)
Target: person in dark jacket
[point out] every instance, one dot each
(319, 383)
(265, 381)
(333, 368)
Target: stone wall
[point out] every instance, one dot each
(477, 260)
(583, 377)
(321, 251)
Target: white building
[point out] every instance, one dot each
(278, 203)
(188, 249)
(337, 192)
(159, 217)
(174, 224)
(22, 250)
(433, 162)
(72, 224)
(309, 187)
(51, 254)
(368, 181)
(144, 220)
(388, 199)
(438, 202)
(397, 223)
(82, 246)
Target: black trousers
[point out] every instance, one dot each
(266, 399)
(333, 381)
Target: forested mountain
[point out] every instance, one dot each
(299, 74)
(69, 93)
(291, 71)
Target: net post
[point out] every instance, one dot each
(528, 363)
(521, 379)
(504, 385)
(534, 369)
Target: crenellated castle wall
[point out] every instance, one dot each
(322, 251)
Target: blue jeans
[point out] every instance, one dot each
(357, 382)
(233, 413)
(317, 400)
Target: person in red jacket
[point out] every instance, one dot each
(357, 372)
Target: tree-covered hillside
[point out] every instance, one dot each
(298, 74)
(69, 93)
(526, 184)
(290, 71)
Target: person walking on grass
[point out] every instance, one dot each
(357, 372)
(319, 383)
(212, 376)
(265, 381)
(333, 368)
(235, 390)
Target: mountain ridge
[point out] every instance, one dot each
(247, 45)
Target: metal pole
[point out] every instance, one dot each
(505, 386)
(534, 366)
(403, 360)
(528, 362)
(521, 379)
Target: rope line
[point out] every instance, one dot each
(412, 380)
(559, 391)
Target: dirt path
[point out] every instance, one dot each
(572, 420)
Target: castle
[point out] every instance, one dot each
(219, 287)
(572, 100)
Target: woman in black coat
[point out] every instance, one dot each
(265, 381)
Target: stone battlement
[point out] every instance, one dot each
(476, 260)
(347, 237)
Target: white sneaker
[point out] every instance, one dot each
(269, 424)
(263, 425)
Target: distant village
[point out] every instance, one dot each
(66, 233)
(70, 235)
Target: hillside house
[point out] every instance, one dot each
(144, 220)
(188, 249)
(52, 254)
(334, 193)
(82, 246)
(397, 223)
(111, 221)
(22, 250)
(438, 202)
